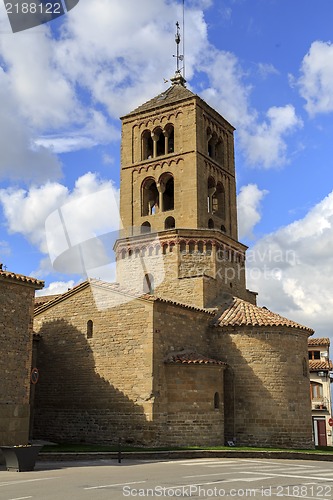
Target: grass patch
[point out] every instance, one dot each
(95, 448)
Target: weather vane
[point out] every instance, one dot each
(179, 57)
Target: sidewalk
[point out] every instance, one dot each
(184, 454)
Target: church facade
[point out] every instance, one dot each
(176, 352)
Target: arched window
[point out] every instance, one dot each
(169, 223)
(182, 247)
(90, 328)
(191, 247)
(149, 197)
(148, 284)
(200, 247)
(219, 201)
(216, 401)
(146, 145)
(223, 229)
(211, 187)
(210, 224)
(145, 227)
(167, 188)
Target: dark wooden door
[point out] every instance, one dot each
(321, 426)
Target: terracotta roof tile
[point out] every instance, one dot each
(238, 312)
(42, 299)
(319, 341)
(320, 365)
(7, 275)
(191, 358)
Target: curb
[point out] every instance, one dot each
(184, 454)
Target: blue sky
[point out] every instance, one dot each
(265, 65)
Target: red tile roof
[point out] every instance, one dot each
(7, 275)
(319, 341)
(315, 365)
(42, 299)
(191, 358)
(238, 312)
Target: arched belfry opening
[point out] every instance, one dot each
(219, 201)
(158, 142)
(149, 197)
(167, 191)
(147, 145)
(169, 134)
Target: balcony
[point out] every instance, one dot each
(320, 404)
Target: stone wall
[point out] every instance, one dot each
(16, 306)
(99, 388)
(267, 401)
(193, 391)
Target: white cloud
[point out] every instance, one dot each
(266, 69)
(291, 268)
(26, 212)
(55, 288)
(53, 89)
(265, 144)
(248, 206)
(316, 81)
(19, 158)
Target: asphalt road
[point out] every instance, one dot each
(199, 478)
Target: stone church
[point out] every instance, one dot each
(176, 352)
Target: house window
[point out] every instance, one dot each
(216, 401)
(316, 390)
(90, 328)
(314, 355)
(210, 224)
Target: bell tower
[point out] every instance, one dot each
(177, 165)
(178, 200)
